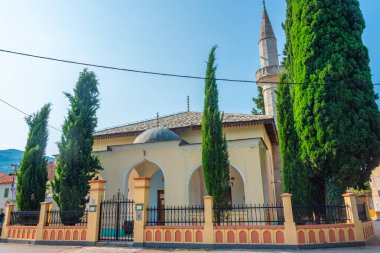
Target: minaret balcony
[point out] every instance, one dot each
(267, 72)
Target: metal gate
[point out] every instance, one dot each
(116, 219)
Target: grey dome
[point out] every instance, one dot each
(157, 134)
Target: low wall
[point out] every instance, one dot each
(266, 237)
(29, 233)
(249, 235)
(322, 234)
(174, 234)
(368, 230)
(22, 232)
(64, 234)
(223, 236)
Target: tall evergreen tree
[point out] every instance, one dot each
(32, 176)
(295, 175)
(259, 107)
(76, 165)
(214, 146)
(335, 113)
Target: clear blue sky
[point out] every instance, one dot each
(157, 35)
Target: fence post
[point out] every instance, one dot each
(7, 218)
(363, 198)
(353, 216)
(97, 190)
(208, 227)
(289, 224)
(141, 204)
(44, 208)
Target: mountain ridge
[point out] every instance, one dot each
(13, 156)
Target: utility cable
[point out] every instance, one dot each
(138, 71)
(21, 111)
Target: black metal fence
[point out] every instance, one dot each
(248, 214)
(66, 218)
(176, 216)
(323, 214)
(117, 219)
(362, 212)
(24, 218)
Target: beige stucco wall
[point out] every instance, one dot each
(375, 187)
(2, 192)
(178, 163)
(250, 152)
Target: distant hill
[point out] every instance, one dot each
(12, 156)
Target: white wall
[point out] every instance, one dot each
(2, 190)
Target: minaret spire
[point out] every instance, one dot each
(267, 75)
(267, 42)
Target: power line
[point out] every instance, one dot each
(138, 71)
(21, 111)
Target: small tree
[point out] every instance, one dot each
(259, 107)
(214, 146)
(32, 176)
(76, 165)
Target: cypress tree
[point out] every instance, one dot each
(76, 165)
(214, 146)
(335, 114)
(32, 176)
(295, 175)
(259, 107)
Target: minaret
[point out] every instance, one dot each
(268, 75)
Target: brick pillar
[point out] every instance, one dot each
(208, 227)
(45, 207)
(142, 185)
(7, 218)
(353, 216)
(97, 190)
(289, 224)
(364, 200)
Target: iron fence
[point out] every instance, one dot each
(117, 219)
(66, 218)
(249, 214)
(323, 214)
(176, 216)
(24, 218)
(362, 212)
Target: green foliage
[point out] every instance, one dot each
(214, 145)
(335, 113)
(32, 176)
(295, 175)
(259, 107)
(366, 189)
(76, 165)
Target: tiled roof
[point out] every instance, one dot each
(185, 120)
(6, 179)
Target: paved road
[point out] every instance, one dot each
(374, 246)
(22, 248)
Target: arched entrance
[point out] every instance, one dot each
(197, 187)
(157, 182)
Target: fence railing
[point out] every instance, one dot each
(249, 214)
(362, 212)
(176, 216)
(66, 218)
(24, 218)
(324, 214)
